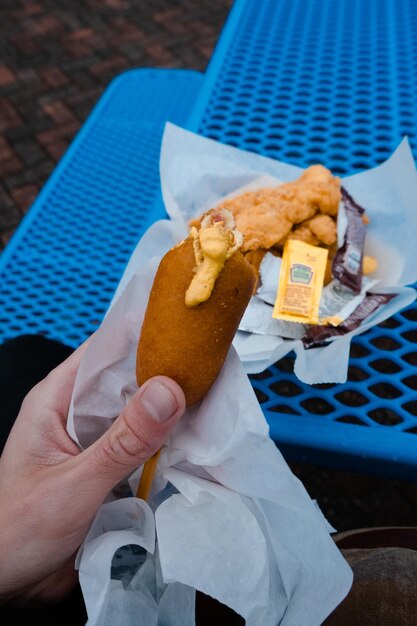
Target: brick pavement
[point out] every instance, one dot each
(56, 60)
(58, 57)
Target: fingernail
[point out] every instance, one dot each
(159, 401)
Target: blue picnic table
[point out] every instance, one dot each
(302, 81)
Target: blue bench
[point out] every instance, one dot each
(60, 270)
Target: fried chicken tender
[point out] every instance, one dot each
(261, 224)
(324, 228)
(255, 258)
(267, 216)
(303, 233)
(323, 189)
(262, 228)
(369, 264)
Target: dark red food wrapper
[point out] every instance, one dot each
(347, 263)
(316, 336)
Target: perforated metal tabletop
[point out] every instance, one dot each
(334, 82)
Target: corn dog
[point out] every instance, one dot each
(200, 292)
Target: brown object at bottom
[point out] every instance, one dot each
(190, 345)
(384, 590)
(210, 612)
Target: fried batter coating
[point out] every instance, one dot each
(260, 217)
(262, 228)
(369, 264)
(324, 228)
(323, 189)
(266, 216)
(255, 258)
(190, 345)
(303, 233)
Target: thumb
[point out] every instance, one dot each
(139, 431)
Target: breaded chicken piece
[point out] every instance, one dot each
(323, 188)
(262, 227)
(324, 228)
(266, 216)
(260, 218)
(295, 200)
(369, 264)
(255, 258)
(303, 233)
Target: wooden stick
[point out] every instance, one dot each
(146, 479)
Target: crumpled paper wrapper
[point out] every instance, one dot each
(197, 173)
(226, 516)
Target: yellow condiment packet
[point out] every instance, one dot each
(300, 282)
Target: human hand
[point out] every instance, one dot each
(50, 490)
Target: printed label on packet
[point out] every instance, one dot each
(338, 302)
(347, 263)
(317, 336)
(300, 283)
(353, 258)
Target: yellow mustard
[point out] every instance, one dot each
(212, 248)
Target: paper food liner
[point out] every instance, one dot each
(226, 516)
(198, 173)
